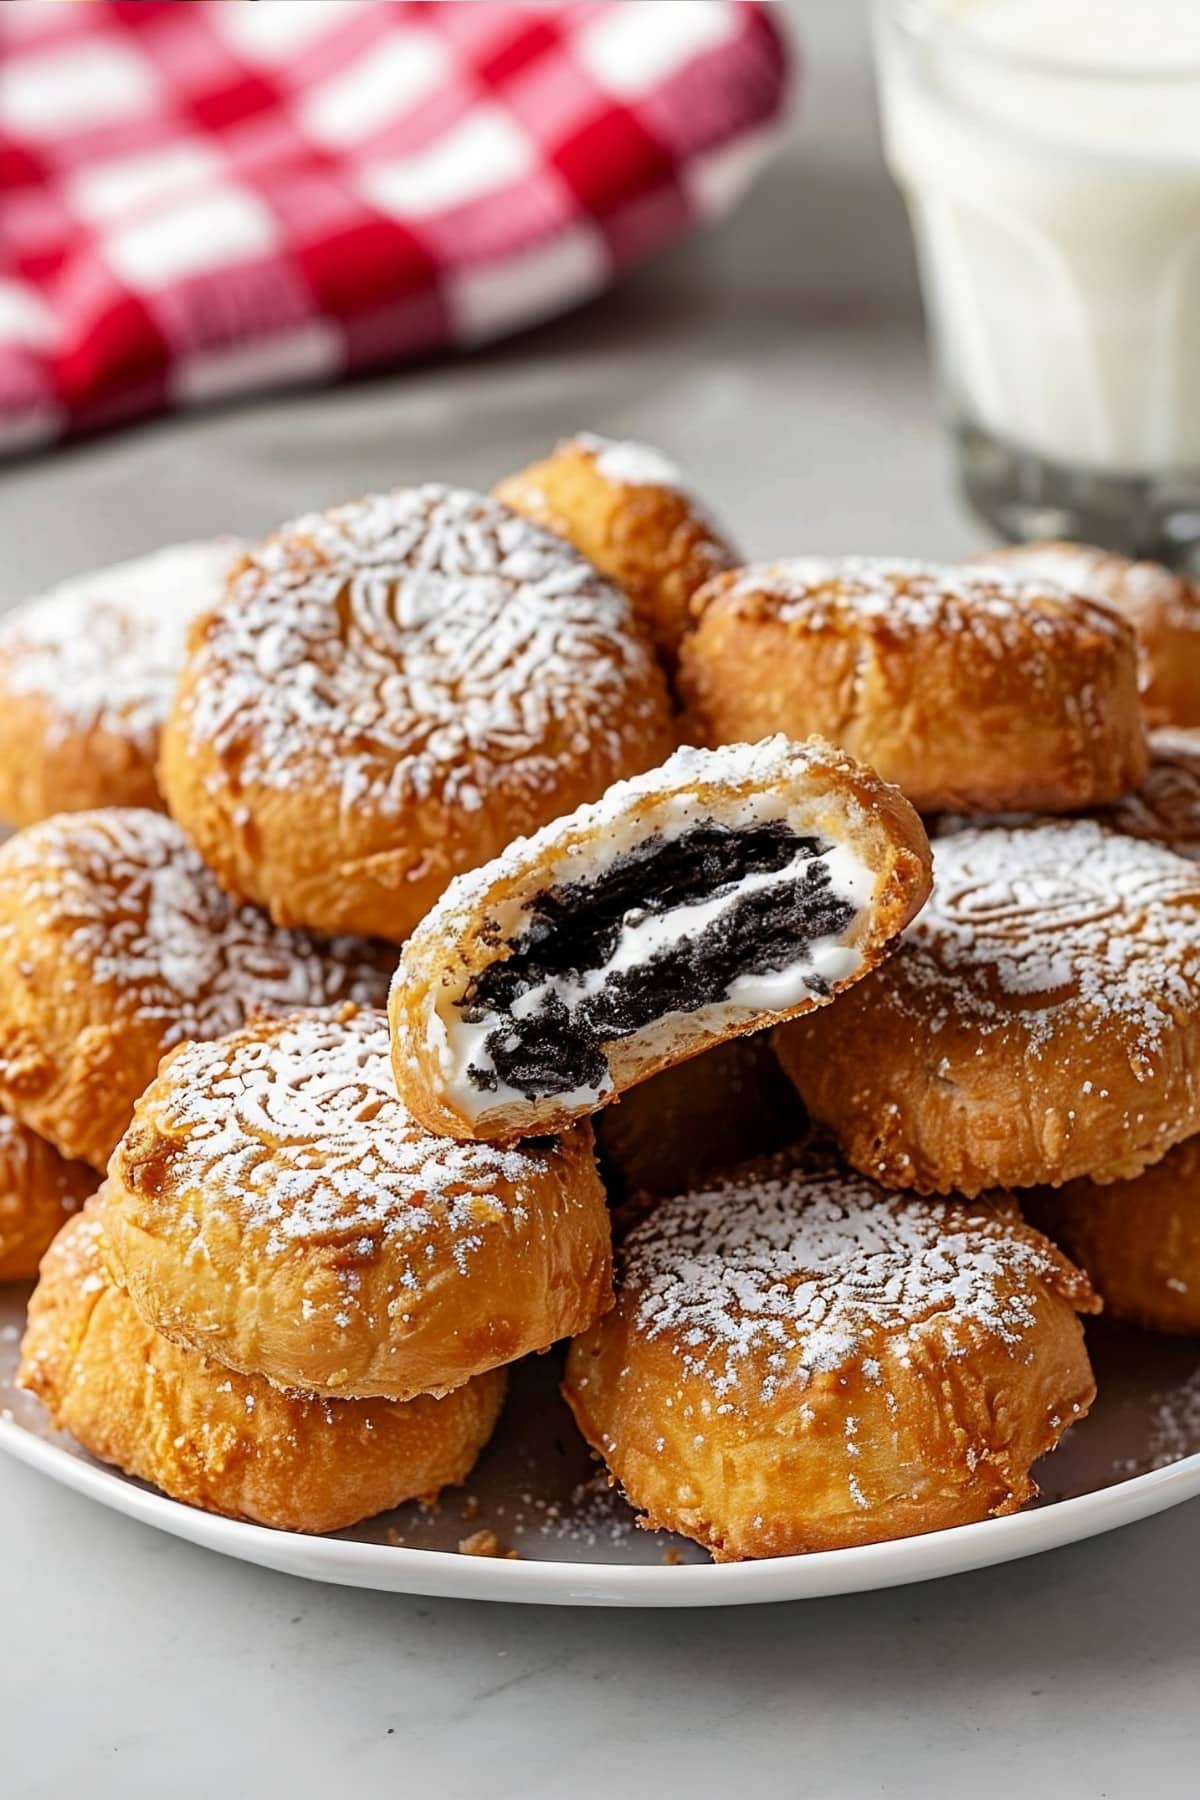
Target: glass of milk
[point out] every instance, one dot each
(1049, 151)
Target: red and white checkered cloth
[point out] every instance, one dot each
(199, 199)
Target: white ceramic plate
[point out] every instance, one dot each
(1138, 1453)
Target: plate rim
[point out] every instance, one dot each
(415, 1570)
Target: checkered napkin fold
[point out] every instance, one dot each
(199, 200)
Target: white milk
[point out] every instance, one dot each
(1050, 151)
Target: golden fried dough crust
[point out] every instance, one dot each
(230, 1443)
(116, 943)
(486, 919)
(1162, 606)
(699, 1118)
(1139, 1240)
(803, 1362)
(1039, 1021)
(86, 675)
(1165, 808)
(972, 691)
(275, 1206)
(627, 509)
(39, 1189)
(391, 691)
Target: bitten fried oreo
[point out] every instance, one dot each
(630, 512)
(970, 689)
(1040, 1020)
(1139, 1240)
(117, 944)
(226, 1442)
(87, 672)
(39, 1190)
(275, 1206)
(1162, 606)
(701, 901)
(804, 1362)
(389, 693)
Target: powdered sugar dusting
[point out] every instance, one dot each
(736, 768)
(1139, 589)
(1175, 1425)
(630, 464)
(129, 901)
(297, 1129)
(1003, 614)
(1172, 1419)
(105, 650)
(1058, 914)
(422, 643)
(809, 1271)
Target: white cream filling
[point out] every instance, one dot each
(462, 1044)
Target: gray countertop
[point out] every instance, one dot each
(781, 360)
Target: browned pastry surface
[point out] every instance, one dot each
(1039, 1021)
(226, 1442)
(86, 675)
(39, 1190)
(1162, 606)
(1164, 808)
(700, 1118)
(116, 944)
(971, 690)
(1139, 1240)
(391, 691)
(274, 1205)
(631, 514)
(802, 1362)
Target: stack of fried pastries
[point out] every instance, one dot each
(426, 963)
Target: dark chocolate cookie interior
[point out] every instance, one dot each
(575, 928)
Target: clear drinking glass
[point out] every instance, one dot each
(1049, 151)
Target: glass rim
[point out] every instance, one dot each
(922, 22)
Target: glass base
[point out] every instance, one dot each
(1022, 496)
